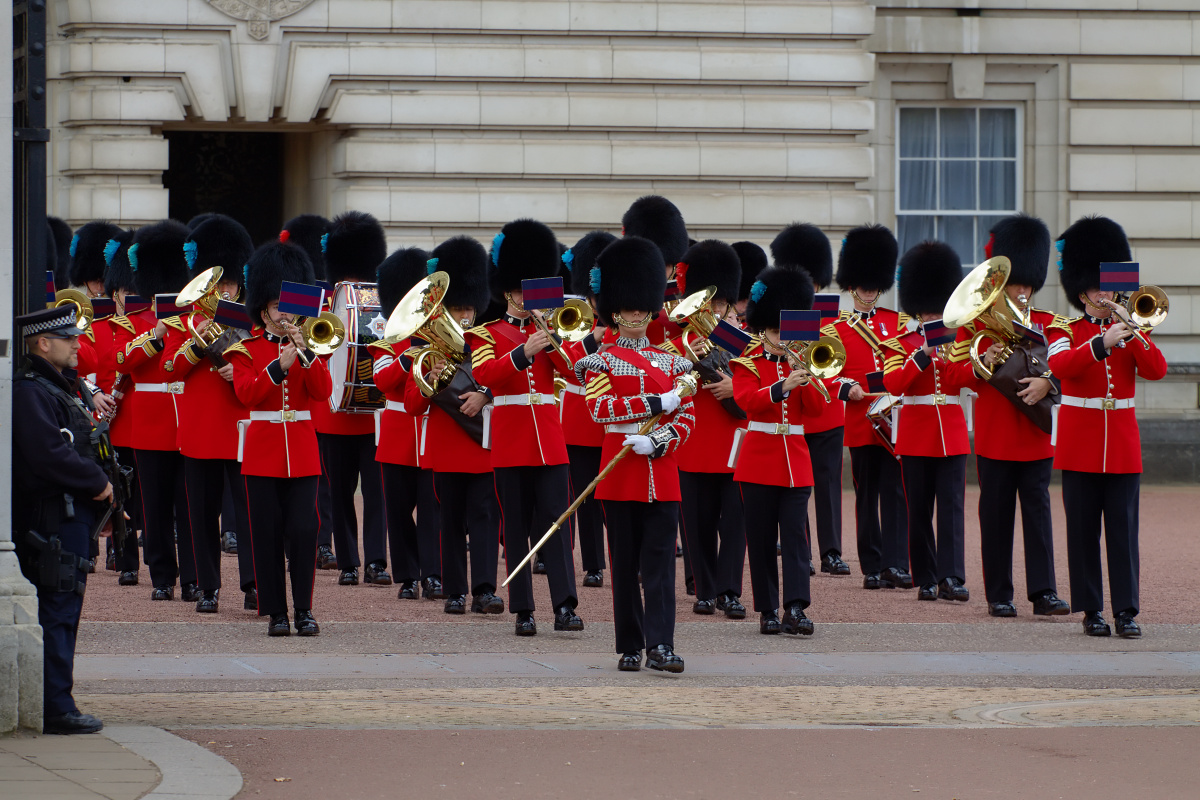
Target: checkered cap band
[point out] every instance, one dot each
(48, 320)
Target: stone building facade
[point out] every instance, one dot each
(454, 116)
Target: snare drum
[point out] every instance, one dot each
(351, 366)
(880, 414)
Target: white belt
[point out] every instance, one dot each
(531, 399)
(1104, 403)
(780, 429)
(628, 427)
(571, 388)
(395, 405)
(175, 387)
(932, 400)
(279, 416)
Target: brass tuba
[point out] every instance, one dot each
(695, 312)
(980, 295)
(1143, 310)
(823, 359)
(420, 313)
(83, 307)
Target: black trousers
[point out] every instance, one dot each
(942, 482)
(468, 511)
(127, 553)
(776, 514)
(641, 538)
(347, 460)
(1088, 498)
(429, 526)
(58, 614)
(283, 523)
(531, 499)
(400, 488)
(1000, 484)
(880, 509)
(589, 519)
(714, 532)
(825, 449)
(324, 507)
(205, 480)
(166, 530)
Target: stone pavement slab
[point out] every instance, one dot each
(40, 767)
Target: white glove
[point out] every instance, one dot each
(670, 401)
(640, 444)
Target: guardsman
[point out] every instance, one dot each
(58, 251)
(1013, 456)
(516, 359)
(773, 466)
(753, 260)
(59, 492)
(354, 248)
(804, 246)
(931, 431)
(86, 273)
(280, 380)
(866, 269)
(583, 435)
(656, 218)
(711, 507)
(1098, 446)
(462, 469)
(399, 425)
(211, 413)
(629, 384)
(157, 260)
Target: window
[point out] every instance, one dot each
(957, 174)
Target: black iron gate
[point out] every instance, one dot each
(29, 155)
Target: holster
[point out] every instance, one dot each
(50, 567)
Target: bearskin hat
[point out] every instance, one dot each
(51, 256)
(710, 263)
(754, 261)
(1026, 242)
(199, 219)
(803, 245)
(118, 274)
(398, 273)
(87, 251)
(582, 257)
(219, 241)
(59, 259)
(268, 268)
(658, 219)
(868, 259)
(355, 247)
(156, 257)
(1089, 241)
(308, 231)
(628, 275)
(778, 289)
(523, 249)
(929, 274)
(466, 262)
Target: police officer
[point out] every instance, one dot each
(62, 489)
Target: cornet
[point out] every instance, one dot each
(1144, 310)
(822, 359)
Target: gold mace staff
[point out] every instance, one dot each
(685, 386)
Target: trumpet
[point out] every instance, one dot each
(420, 313)
(323, 334)
(822, 359)
(83, 307)
(571, 322)
(695, 311)
(1142, 311)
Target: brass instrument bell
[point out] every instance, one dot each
(83, 306)
(201, 292)
(823, 359)
(421, 313)
(323, 334)
(980, 295)
(695, 311)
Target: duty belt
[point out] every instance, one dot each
(932, 400)
(175, 387)
(287, 415)
(531, 399)
(776, 428)
(1103, 403)
(395, 405)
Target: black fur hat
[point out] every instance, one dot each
(307, 231)
(398, 273)
(118, 274)
(583, 258)
(199, 219)
(466, 262)
(269, 267)
(1026, 242)
(219, 241)
(156, 257)
(59, 259)
(658, 219)
(868, 259)
(87, 251)
(710, 263)
(778, 289)
(1089, 241)
(523, 249)
(51, 256)
(803, 245)
(355, 247)
(929, 273)
(754, 261)
(628, 275)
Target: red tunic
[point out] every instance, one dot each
(208, 406)
(862, 358)
(283, 447)
(445, 446)
(399, 423)
(121, 428)
(931, 423)
(1004, 433)
(1097, 428)
(89, 359)
(525, 429)
(579, 429)
(152, 405)
(105, 350)
(769, 457)
(623, 387)
(707, 449)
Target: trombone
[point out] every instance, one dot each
(421, 313)
(822, 359)
(1144, 310)
(83, 306)
(323, 334)
(571, 322)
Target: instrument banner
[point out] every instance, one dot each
(301, 299)
(1032, 334)
(875, 383)
(542, 293)
(164, 306)
(50, 288)
(730, 338)
(135, 303)
(799, 326)
(827, 304)
(103, 307)
(936, 333)
(1119, 276)
(671, 295)
(233, 315)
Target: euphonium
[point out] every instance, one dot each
(1143, 310)
(201, 292)
(695, 311)
(420, 313)
(83, 306)
(980, 295)
(822, 359)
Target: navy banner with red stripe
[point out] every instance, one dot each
(730, 338)
(799, 326)
(1119, 276)
(301, 299)
(542, 293)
